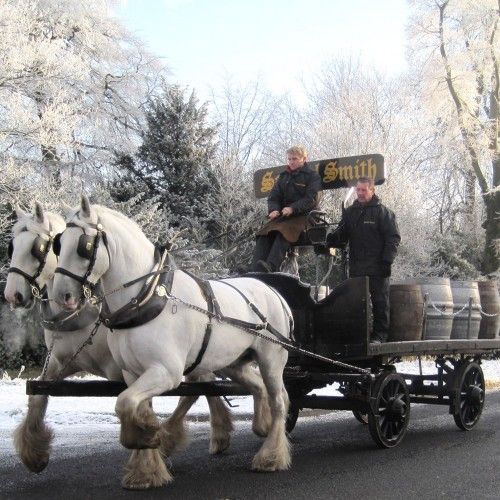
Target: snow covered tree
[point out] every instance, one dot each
(174, 161)
(72, 86)
(457, 44)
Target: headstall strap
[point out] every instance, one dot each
(87, 286)
(40, 251)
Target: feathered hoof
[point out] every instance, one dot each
(219, 444)
(33, 447)
(36, 464)
(144, 436)
(173, 437)
(144, 470)
(271, 462)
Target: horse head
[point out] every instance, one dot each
(83, 254)
(32, 260)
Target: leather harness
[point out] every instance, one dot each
(154, 295)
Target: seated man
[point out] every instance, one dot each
(294, 195)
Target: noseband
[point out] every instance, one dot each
(39, 250)
(87, 249)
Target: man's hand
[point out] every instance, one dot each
(273, 214)
(287, 211)
(385, 267)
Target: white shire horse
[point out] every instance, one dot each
(33, 263)
(155, 355)
(32, 268)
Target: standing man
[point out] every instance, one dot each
(371, 230)
(294, 195)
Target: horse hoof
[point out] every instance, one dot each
(219, 445)
(271, 463)
(40, 466)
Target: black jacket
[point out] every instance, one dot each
(298, 189)
(373, 236)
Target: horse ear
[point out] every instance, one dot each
(20, 213)
(85, 206)
(38, 213)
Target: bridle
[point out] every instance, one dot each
(87, 249)
(40, 250)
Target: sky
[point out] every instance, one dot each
(278, 42)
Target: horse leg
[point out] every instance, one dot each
(275, 451)
(221, 422)
(33, 437)
(140, 430)
(248, 376)
(173, 433)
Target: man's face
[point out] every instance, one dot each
(295, 161)
(364, 192)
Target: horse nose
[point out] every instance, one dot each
(67, 297)
(18, 298)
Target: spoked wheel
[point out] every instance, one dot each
(390, 414)
(291, 418)
(468, 395)
(360, 416)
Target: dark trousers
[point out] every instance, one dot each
(271, 249)
(379, 293)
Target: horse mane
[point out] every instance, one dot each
(102, 211)
(28, 221)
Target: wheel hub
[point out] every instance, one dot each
(396, 408)
(474, 395)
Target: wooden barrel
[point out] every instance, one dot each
(438, 319)
(465, 321)
(490, 305)
(407, 312)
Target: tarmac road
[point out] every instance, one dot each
(333, 457)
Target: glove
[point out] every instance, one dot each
(385, 269)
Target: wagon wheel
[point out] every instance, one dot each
(360, 416)
(292, 416)
(468, 395)
(390, 411)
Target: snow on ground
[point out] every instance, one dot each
(86, 414)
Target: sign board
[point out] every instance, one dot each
(335, 173)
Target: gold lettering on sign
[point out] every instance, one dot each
(267, 182)
(346, 173)
(372, 169)
(331, 172)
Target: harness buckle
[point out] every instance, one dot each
(35, 291)
(161, 291)
(87, 292)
